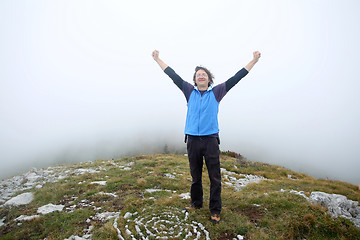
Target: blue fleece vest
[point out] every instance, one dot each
(202, 113)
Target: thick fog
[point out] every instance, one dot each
(78, 83)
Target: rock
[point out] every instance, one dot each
(126, 169)
(36, 179)
(106, 215)
(169, 175)
(2, 221)
(185, 196)
(76, 238)
(301, 193)
(27, 218)
(81, 171)
(239, 181)
(50, 208)
(31, 177)
(127, 215)
(338, 206)
(103, 183)
(10, 186)
(22, 199)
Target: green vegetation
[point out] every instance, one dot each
(258, 211)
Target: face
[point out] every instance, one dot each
(202, 79)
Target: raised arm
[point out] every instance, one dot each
(242, 73)
(155, 55)
(173, 75)
(251, 64)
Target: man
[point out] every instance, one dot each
(202, 129)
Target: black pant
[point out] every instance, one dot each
(208, 147)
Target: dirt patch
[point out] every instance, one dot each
(125, 187)
(254, 213)
(227, 236)
(7, 228)
(118, 204)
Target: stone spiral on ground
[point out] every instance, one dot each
(170, 223)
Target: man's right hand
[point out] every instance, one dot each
(155, 55)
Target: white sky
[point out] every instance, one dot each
(78, 80)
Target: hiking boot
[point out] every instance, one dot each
(215, 218)
(191, 208)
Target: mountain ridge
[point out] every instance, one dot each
(108, 199)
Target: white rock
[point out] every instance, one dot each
(127, 215)
(169, 175)
(106, 215)
(75, 238)
(103, 183)
(185, 196)
(338, 206)
(87, 236)
(50, 208)
(22, 199)
(81, 171)
(27, 218)
(239, 181)
(152, 190)
(108, 194)
(117, 229)
(32, 177)
(301, 193)
(2, 221)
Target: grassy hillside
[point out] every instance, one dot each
(144, 195)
